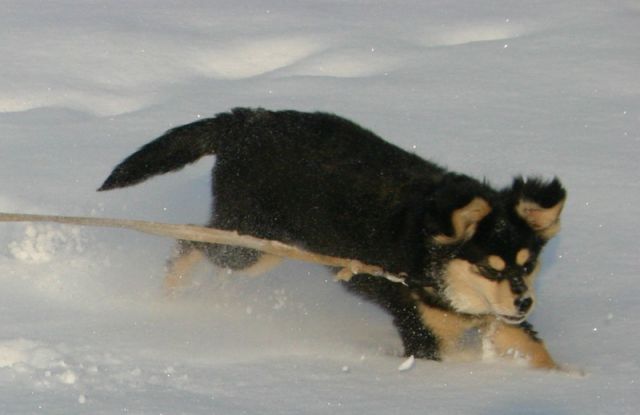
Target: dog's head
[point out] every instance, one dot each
(495, 242)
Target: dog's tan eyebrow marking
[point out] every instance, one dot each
(523, 256)
(496, 262)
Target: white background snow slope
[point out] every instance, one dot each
(492, 89)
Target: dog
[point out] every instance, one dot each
(470, 253)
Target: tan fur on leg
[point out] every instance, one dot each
(514, 341)
(264, 264)
(178, 272)
(448, 327)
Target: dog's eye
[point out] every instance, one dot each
(489, 272)
(528, 267)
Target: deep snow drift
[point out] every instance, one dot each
(492, 89)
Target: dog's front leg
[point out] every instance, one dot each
(448, 327)
(518, 341)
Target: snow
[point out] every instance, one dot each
(408, 364)
(492, 89)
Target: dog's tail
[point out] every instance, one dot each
(175, 149)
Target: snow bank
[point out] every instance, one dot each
(492, 89)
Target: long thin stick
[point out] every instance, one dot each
(194, 233)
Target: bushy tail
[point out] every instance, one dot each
(172, 151)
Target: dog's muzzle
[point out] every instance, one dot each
(523, 306)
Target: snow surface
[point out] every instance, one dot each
(492, 88)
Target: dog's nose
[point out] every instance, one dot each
(523, 304)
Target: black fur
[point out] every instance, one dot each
(328, 185)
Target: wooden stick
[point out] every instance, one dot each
(349, 267)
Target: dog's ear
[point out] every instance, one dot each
(464, 221)
(455, 209)
(539, 203)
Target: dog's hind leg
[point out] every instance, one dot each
(247, 261)
(265, 263)
(231, 257)
(187, 255)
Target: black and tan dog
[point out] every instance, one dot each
(323, 183)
